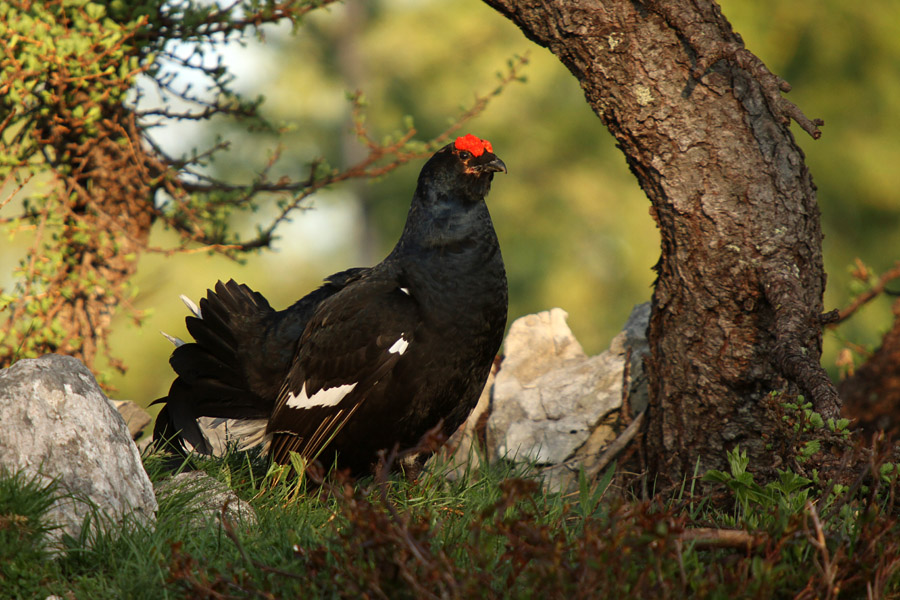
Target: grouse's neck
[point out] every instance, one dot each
(449, 255)
(446, 246)
(439, 220)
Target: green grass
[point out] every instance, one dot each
(23, 504)
(492, 533)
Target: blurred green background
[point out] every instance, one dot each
(572, 221)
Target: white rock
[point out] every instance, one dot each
(56, 423)
(548, 395)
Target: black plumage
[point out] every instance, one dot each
(376, 356)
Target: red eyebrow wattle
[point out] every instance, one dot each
(473, 144)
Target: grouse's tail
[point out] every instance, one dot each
(216, 372)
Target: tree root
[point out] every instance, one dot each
(794, 326)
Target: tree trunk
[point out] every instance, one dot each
(737, 304)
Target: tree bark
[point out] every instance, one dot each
(738, 300)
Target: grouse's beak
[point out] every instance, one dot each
(495, 165)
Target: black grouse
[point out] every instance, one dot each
(376, 356)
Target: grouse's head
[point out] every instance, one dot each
(463, 168)
(476, 155)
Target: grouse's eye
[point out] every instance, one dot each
(465, 154)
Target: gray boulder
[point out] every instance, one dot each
(549, 397)
(207, 498)
(56, 423)
(136, 418)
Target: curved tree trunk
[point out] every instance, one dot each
(738, 301)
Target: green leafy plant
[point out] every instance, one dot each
(760, 505)
(490, 531)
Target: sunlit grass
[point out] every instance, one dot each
(489, 531)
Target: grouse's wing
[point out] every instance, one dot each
(347, 354)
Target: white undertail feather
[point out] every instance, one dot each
(195, 310)
(176, 341)
(243, 433)
(191, 306)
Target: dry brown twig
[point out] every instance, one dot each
(877, 288)
(710, 537)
